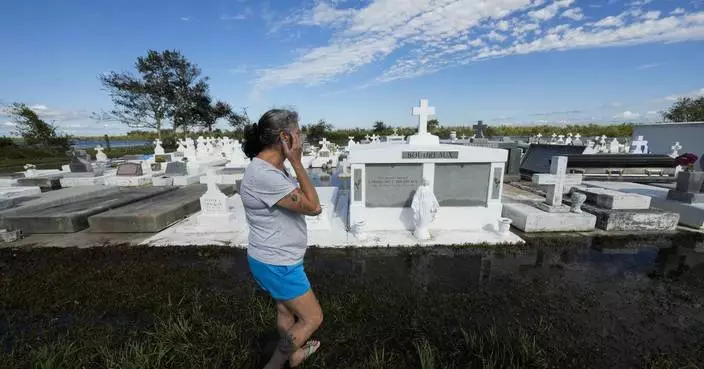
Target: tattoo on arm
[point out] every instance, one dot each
(294, 197)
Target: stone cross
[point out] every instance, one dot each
(639, 146)
(323, 143)
(423, 112)
(100, 155)
(557, 181)
(675, 149)
(561, 139)
(479, 129)
(395, 131)
(464, 137)
(158, 150)
(350, 142)
(554, 137)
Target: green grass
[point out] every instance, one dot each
(189, 307)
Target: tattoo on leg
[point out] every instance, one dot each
(287, 344)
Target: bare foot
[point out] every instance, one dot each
(303, 353)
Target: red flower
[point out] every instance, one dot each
(686, 160)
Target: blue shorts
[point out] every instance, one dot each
(282, 282)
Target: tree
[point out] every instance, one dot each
(316, 132)
(380, 127)
(238, 120)
(685, 109)
(168, 86)
(36, 131)
(433, 124)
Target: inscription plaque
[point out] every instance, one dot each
(462, 184)
(392, 185)
(429, 154)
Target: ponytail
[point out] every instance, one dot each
(252, 144)
(265, 133)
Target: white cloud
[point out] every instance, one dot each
(627, 115)
(647, 66)
(39, 107)
(610, 21)
(639, 3)
(186, 19)
(549, 11)
(574, 14)
(651, 15)
(652, 112)
(695, 93)
(246, 13)
(678, 11)
(449, 33)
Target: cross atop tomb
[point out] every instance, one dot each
(557, 181)
(539, 135)
(639, 146)
(577, 136)
(324, 143)
(423, 112)
(395, 131)
(479, 129)
(675, 149)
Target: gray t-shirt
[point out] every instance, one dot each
(277, 235)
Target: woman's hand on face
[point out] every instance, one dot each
(293, 153)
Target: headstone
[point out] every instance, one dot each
(453, 136)
(214, 205)
(130, 170)
(675, 149)
(551, 215)
(158, 149)
(513, 165)
(561, 139)
(100, 156)
(614, 146)
(181, 146)
(553, 139)
(479, 129)
(577, 140)
(79, 163)
(557, 182)
(639, 146)
(176, 168)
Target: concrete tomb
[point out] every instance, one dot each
(176, 174)
(131, 174)
(538, 157)
(152, 214)
(11, 196)
(82, 172)
(551, 215)
(68, 215)
(622, 211)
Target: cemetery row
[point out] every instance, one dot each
(396, 191)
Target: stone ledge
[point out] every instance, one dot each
(649, 220)
(528, 219)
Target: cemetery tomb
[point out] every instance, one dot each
(152, 214)
(69, 215)
(661, 136)
(622, 211)
(328, 198)
(551, 215)
(691, 215)
(82, 173)
(11, 196)
(214, 206)
(538, 156)
(467, 182)
(176, 174)
(46, 182)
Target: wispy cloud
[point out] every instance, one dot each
(246, 13)
(627, 115)
(647, 66)
(678, 11)
(186, 19)
(445, 34)
(695, 93)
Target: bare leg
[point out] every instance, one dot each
(307, 309)
(284, 318)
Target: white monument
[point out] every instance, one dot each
(551, 215)
(467, 182)
(639, 146)
(100, 156)
(425, 205)
(578, 140)
(158, 149)
(181, 146)
(214, 206)
(614, 146)
(423, 137)
(561, 140)
(675, 149)
(350, 143)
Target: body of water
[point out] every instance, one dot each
(90, 144)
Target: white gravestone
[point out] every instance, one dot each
(158, 149)
(100, 156)
(553, 139)
(552, 215)
(558, 182)
(423, 137)
(568, 141)
(181, 146)
(214, 206)
(539, 136)
(425, 205)
(639, 146)
(202, 149)
(577, 140)
(675, 149)
(350, 143)
(614, 146)
(561, 139)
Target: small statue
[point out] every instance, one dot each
(425, 205)
(578, 199)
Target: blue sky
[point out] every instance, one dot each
(354, 62)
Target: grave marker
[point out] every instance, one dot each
(130, 170)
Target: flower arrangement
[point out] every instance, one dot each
(687, 161)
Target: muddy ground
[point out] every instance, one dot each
(560, 302)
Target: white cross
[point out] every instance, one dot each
(422, 112)
(395, 131)
(557, 180)
(324, 142)
(577, 136)
(639, 146)
(676, 149)
(539, 135)
(554, 135)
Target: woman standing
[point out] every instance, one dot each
(275, 205)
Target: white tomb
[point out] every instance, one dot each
(466, 180)
(158, 149)
(325, 156)
(100, 156)
(396, 139)
(551, 215)
(614, 146)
